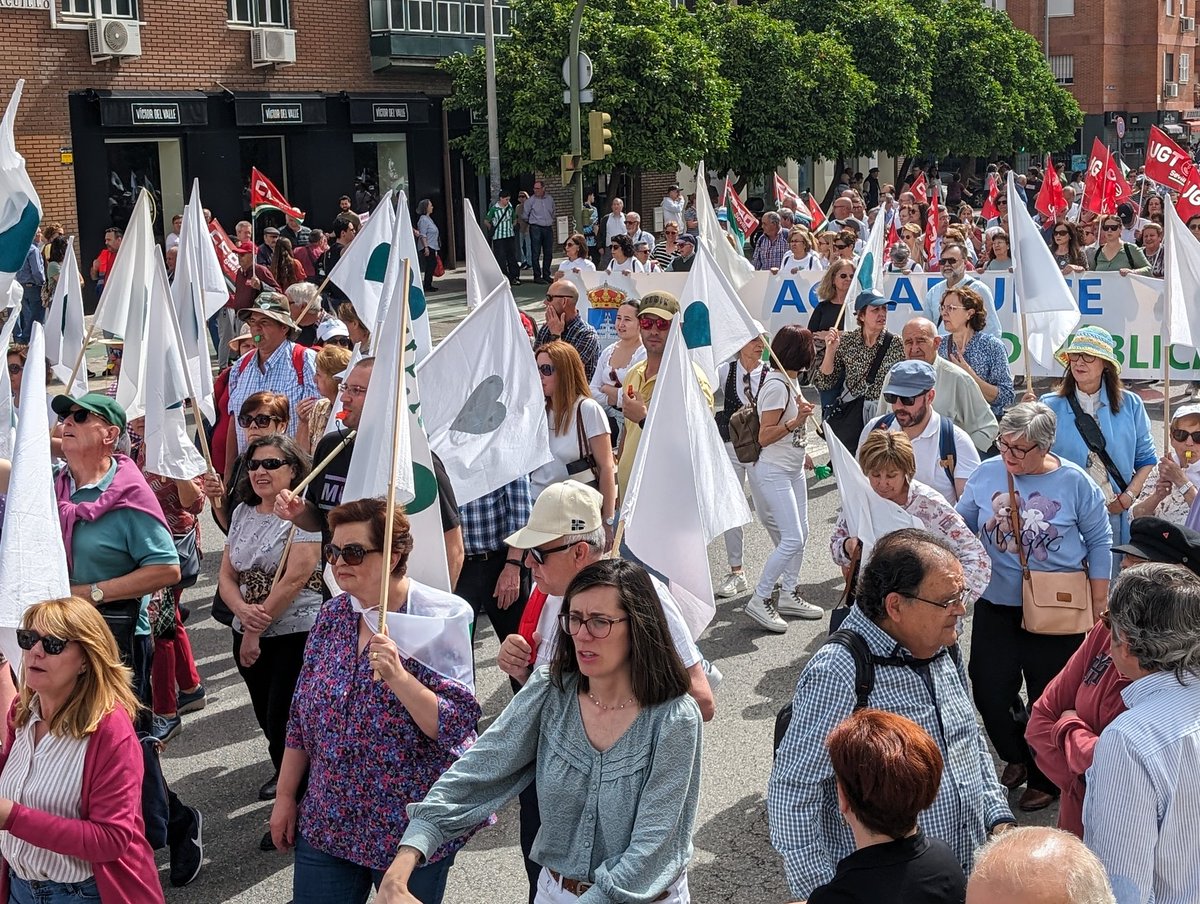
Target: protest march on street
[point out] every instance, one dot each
(482, 576)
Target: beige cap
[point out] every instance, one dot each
(562, 509)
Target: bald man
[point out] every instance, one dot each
(1038, 865)
(957, 395)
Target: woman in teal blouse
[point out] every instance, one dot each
(613, 738)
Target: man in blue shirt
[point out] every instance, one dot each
(954, 270)
(31, 277)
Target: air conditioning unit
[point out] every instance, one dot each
(108, 38)
(272, 47)
(1170, 89)
(1187, 23)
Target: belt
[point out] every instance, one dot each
(577, 888)
(484, 556)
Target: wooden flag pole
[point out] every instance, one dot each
(322, 464)
(398, 420)
(287, 547)
(1025, 354)
(87, 340)
(1167, 403)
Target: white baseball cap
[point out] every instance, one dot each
(331, 327)
(561, 510)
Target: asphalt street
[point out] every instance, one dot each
(220, 759)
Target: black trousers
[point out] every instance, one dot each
(271, 682)
(506, 256)
(428, 265)
(477, 583)
(1002, 655)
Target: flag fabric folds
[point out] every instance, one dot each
(1050, 198)
(919, 188)
(8, 412)
(484, 277)
(732, 261)
(265, 196)
(783, 192)
(198, 292)
(740, 216)
(20, 208)
(868, 273)
(418, 308)
(359, 272)
(125, 302)
(715, 322)
(682, 490)
(1181, 282)
(1104, 187)
(64, 331)
(817, 215)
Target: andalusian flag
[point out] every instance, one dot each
(20, 209)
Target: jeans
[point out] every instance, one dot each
(525, 249)
(733, 537)
(31, 312)
(506, 256)
(22, 892)
(784, 499)
(271, 682)
(542, 242)
(321, 878)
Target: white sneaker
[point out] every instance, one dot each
(765, 613)
(796, 605)
(735, 583)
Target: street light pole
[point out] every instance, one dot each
(493, 116)
(576, 129)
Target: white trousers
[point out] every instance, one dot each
(782, 496)
(734, 544)
(550, 891)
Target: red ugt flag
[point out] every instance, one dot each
(989, 210)
(1105, 187)
(1168, 164)
(920, 192)
(931, 227)
(783, 192)
(1050, 200)
(265, 196)
(746, 220)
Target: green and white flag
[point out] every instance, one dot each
(360, 270)
(20, 209)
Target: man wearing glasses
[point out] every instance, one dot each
(633, 229)
(911, 596)
(563, 322)
(953, 263)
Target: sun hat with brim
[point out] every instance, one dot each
(1091, 340)
(240, 338)
(270, 304)
(95, 402)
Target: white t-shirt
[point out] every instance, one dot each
(684, 645)
(810, 261)
(580, 264)
(927, 449)
(783, 453)
(565, 447)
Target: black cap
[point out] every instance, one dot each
(1157, 540)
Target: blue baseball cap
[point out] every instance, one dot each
(910, 377)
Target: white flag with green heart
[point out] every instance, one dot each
(418, 308)
(360, 270)
(20, 209)
(715, 322)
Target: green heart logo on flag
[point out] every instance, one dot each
(696, 330)
(866, 271)
(425, 490)
(416, 298)
(377, 263)
(16, 239)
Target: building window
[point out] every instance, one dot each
(110, 9)
(449, 17)
(1060, 7)
(1185, 68)
(473, 19)
(1063, 67)
(268, 13)
(1170, 7)
(118, 9)
(453, 18)
(1168, 67)
(239, 12)
(502, 20)
(420, 15)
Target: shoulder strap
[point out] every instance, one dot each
(1014, 518)
(948, 452)
(885, 342)
(1129, 255)
(242, 364)
(885, 422)
(298, 351)
(1093, 437)
(864, 664)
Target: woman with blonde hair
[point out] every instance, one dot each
(314, 413)
(913, 235)
(71, 768)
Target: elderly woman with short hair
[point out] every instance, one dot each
(981, 354)
(1060, 526)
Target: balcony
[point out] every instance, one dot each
(418, 34)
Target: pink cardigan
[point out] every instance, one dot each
(109, 833)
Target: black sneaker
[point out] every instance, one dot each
(188, 855)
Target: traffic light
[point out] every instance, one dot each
(599, 135)
(569, 166)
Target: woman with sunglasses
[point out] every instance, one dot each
(620, 247)
(580, 438)
(17, 354)
(614, 363)
(1170, 495)
(615, 692)
(1114, 253)
(1061, 523)
(373, 744)
(272, 616)
(262, 414)
(577, 255)
(844, 243)
(642, 261)
(913, 236)
(832, 292)
(71, 768)
(1066, 249)
(981, 354)
(668, 249)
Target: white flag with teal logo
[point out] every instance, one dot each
(198, 292)
(125, 303)
(20, 209)
(869, 272)
(1181, 267)
(418, 307)
(64, 328)
(715, 322)
(359, 272)
(731, 261)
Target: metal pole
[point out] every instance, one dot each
(576, 129)
(493, 116)
(1046, 32)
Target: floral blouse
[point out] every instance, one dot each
(938, 516)
(987, 357)
(368, 759)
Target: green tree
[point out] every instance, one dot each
(799, 94)
(655, 74)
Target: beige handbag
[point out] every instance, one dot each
(1052, 602)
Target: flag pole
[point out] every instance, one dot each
(1025, 353)
(385, 582)
(287, 547)
(87, 340)
(1167, 400)
(323, 464)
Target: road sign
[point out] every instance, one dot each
(1120, 126)
(585, 96)
(585, 71)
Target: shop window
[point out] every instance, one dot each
(449, 17)
(109, 9)
(420, 15)
(133, 165)
(380, 165)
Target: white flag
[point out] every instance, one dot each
(199, 291)
(169, 450)
(33, 562)
(868, 515)
(682, 491)
(436, 633)
(1041, 293)
(1181, 269)
(359, 272)
(64, 325)
(20, 209)
(715, 322)
(484, 276)
(125, 302)
(482, 400)
(418, 305)
(868, 274)
(731, 261)
(8, 411)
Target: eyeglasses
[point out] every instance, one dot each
(1194, 227)
(351, 390)
(1015, 451)
(1001, 202)
(846, 275)
(891, 398)
(950, 261)
(598, 626)
(840, 247)
(1081, 356)
(1182, 436)
(631, 222)
(262, 421)
(672, 232)
(27, 639)
(1060, 233)
(614, 245)
(271, 464)
(654, 324)
(78, 416)
(947, 308)
(540, 555)
(351, 553)
(546, 370)
(15, 369)
(959, 599)
(1111, 227)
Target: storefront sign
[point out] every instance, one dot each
(389, 112)
(282, 113)
(154, 114)
(24, 4)
(383, 110)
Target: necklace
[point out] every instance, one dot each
(606, 707)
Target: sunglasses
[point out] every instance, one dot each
(1111, 227)
(261, 421)
(27, 639)
(1182, 436)
(78, 416)
(840, 247)
(271, 464)
(654, 323)
(614, 245)
(15, 369)
(891, 398)
(950, 261)
(1194, 227)
(351, 553)
(540, 555)
(546, 370)
(1061, 234)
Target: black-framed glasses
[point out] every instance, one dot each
(950, 261)
(262, 421)
(27, 639)
(271, 464)
(1081, 356)
(546, 370)
(599, 626)
(15, 369)
(1015, 451)
(1062, 234)
(959, 599)
(540, 555)
(1182, 436)
(550, 296)
(891, 398)
(79, 415)
(351, 553)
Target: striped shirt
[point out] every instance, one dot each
(501, 218)
(49, 778)
(279, 375)
(1143, 793)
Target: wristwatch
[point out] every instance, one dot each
(96, 594)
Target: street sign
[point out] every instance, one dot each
(1120, 126)
(585, 70)
(585, 96)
